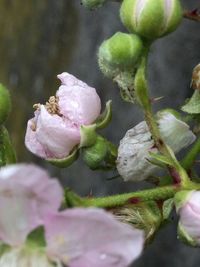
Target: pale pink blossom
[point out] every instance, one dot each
(189, 212)
(91, 237)
(27, 195)
(55, 129)
(76, 237)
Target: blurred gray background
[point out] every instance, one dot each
(40, 39)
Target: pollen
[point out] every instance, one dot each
(51, 106)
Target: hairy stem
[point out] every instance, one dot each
(141, 88)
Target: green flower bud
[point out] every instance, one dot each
(119, 53)
(5, 103)
(151, 18)
(101, 155)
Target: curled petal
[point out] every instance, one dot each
(91, 237)
(77, 101)
(27, 195)
(54, 136)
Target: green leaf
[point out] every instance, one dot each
(160, 160)
(37, 237)
(193, 105)
(65, 162)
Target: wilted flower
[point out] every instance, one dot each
(55, 129)
(188, 208)
(29, 199)
(133, 153)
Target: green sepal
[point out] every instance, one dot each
(125, 81)
(167, 208)
(37, 237)
(145, 216)
(65, 162)
(88, 135)
(160, 160)
(181, 198)
(7, 152)
(193, 104)
(184, 237)
(88, 132)
(3, 248)
(104, 119)
(5, 103)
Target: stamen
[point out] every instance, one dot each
(52, 105)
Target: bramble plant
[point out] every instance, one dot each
(44, 225)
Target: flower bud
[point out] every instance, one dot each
(133, 152)
(153, 18)
(119, 53)
(5, 104)
(195, 83)
(188, 208)
(101, 155)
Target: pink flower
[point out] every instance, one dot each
(91, 237)
(27, 195)
(55, 129)
(76, 237)
(189, 212)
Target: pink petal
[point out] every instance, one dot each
(70, 80)
(31, 141)
(54, 136)
(78, 102)
(91, 237)
(27, 195)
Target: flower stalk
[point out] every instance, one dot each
(141, 88)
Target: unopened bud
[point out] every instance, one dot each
(188, 208)
(119, 53)
(153, 18)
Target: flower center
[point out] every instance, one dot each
(51, 105)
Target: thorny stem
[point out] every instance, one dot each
(159, 193)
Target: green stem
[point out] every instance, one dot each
(141, 88)
(159, 193)
(189, 159)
